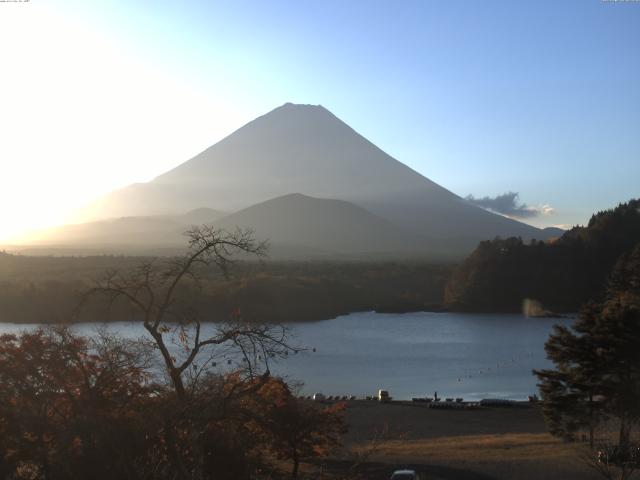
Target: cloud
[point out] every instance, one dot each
(508, 204)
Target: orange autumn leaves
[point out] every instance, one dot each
(72, 407)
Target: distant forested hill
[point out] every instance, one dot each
(48, 289)
(500, 274)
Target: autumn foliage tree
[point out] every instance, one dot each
(76, 407)
(70, 407)
(295, 429)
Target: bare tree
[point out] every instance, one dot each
(152, 290)
(157, 289)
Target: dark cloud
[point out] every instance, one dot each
(508, 204)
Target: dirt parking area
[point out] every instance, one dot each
(466, 444)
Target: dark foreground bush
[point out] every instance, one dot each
(74, 407)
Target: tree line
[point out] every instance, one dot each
(47, 289)
(502, 273)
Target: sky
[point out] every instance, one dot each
(529, 107)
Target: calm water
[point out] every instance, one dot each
(415, 354)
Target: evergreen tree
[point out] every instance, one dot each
(597, 362)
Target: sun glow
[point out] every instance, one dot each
(82, 115)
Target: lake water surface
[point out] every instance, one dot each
(413, 354)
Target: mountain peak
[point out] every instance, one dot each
(308, 106)
(298, 112)
(307, 149)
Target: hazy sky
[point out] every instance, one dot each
(536, 98)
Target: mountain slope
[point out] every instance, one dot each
(303, 148)
(154, 231)
(321, 225)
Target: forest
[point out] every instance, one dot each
(48, 289)
(562, 275)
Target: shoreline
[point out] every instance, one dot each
(382, 311)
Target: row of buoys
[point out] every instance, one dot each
(259, 357)
(499, 365)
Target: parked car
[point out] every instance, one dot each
(383, 396)
(404, 475)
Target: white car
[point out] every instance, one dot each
(404, 475)
(318, 397)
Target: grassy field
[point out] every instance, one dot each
(482, 444)
(499, 456)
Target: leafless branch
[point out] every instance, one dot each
(152, 288)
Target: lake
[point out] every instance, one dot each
(473, 356)
(416, 354)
